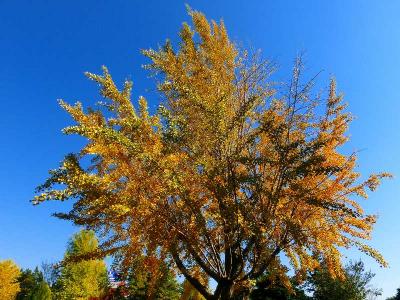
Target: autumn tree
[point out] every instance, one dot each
(9, 285)
(81, 278)
(231, 172)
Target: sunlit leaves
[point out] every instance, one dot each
(230, 173)
(9, 285)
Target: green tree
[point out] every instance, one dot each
(9, 285)
(356, 284)
(42, 292)
(143, 284)
(29, 281)
(81, 278)
(168, 287)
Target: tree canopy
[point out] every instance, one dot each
(229, 174)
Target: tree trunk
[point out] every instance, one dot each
(243, 296)
(227, 292)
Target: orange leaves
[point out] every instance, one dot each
(374, 180)
(228, 174)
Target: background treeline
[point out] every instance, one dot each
(88, 279)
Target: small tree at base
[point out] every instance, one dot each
(81, 277)
(42, 292)
(356, 284)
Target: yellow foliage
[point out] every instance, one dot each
(9, 285)
(227, 175)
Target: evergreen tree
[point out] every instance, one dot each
(137, 284)
(29, 281)
(168, 287)
(355, 285)
(144, 284)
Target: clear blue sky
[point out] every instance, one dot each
(45, 46)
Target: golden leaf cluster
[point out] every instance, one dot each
(9, 285)
(229, 174)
